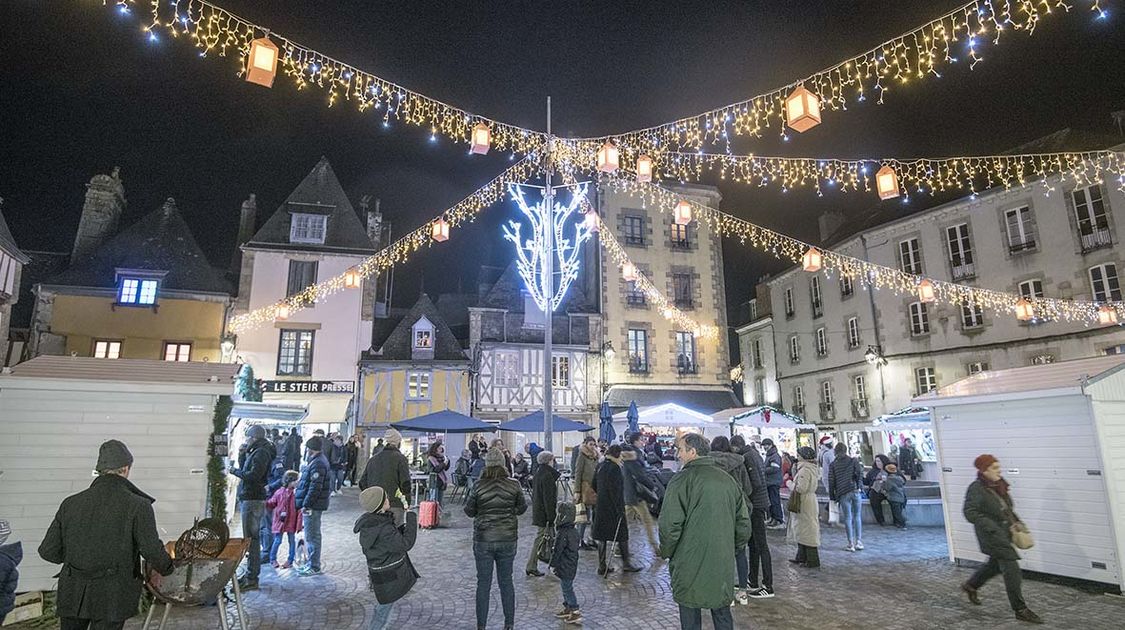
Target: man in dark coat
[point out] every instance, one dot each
(274, 480)
(291, 448)
(640, 486)
(759, 549)
(609, 518)
(351, 453)
(544, 499)
(253, 471)
(313, 496)
(908, 459)
(99, 536)
(389, 470)
(773, 484)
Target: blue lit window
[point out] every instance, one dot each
(137, 291)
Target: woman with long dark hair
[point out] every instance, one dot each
(988, 506)
(876, 494)
(438, 465)
(495, 504)
(609, 518)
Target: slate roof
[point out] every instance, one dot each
(7, 242)
(319, 193)
(159, 241)
(396, 344)
(508, 293)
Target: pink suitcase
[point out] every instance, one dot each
(428, 517)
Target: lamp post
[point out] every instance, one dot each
(548, 286)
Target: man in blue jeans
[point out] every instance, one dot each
(313, 491)
(845, 478)
(253, 470)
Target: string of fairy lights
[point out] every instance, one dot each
(866, 273)
(435, 230)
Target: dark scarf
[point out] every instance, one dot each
(999, 486)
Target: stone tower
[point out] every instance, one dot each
(247, 225)
(101, 212)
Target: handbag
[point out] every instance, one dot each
(589, 497)
(580, 517)
(1021, 535)
(547, 546)
(794, 502)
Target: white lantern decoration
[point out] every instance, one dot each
(283, 311)
(813, 260)
(682, 213)
(1024, 310)
(481, 139)
(609, 158)
(440, 230)
(644, 169)
(886, 182)
(1107, 315)
(802, 110)
(629, 272)
(351, 279)
(592, 222)
(261, 67)
(926, 291)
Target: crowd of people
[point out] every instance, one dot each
(707, 520)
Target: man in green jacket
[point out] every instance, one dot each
(703, 523)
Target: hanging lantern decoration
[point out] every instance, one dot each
(802, 110)
(609, 158)
(629, 272)
(592, 222)
(440, 230)
(481, 139)
(1107, 315)
(644, 169)
(668, 313)
(813, 260)
(351, 279)
(1024, 310)
(261, 67)
(886, 182)
(283, 311)
(926, 291)
(682, 213)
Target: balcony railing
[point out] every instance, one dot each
(1021, 246)
(964, 271)
(822, 352)
(634, 240)
(681, 243)
(817, 309)
(1096, 240)
(635, 299)
(799, 410)
(794, 359)
(686, 365)
(638, 364)
(684, 303)
(827, 411)
(859, 407)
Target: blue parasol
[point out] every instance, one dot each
(533, 423)
(605, 430)
(633, 417)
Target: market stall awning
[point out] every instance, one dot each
(533, 423)
(280, 412)
(706, 400)
(447, 421)
(903, 419)
(668, 415)
(328, 410)
(761, 416)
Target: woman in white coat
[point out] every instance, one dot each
(804, 523)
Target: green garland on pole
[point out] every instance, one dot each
(216, 470)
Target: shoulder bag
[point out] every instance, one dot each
(1021, 534)
(794, 502)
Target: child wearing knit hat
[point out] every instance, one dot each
(385, 548)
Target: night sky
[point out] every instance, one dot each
(82, 90)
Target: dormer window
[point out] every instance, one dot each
(308, 228)
(138, 287)
(422, 334)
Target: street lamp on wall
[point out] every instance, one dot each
(607, 351)
(227, 349)
(874, 357)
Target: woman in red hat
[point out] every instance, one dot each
(988, 506)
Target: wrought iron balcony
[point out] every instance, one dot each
(964, 271)
(1097, 239)
(1021, 246)
(827, 411)
(859, 407)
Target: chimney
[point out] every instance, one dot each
(828, 223)
(374, 220)
(376, 288)
(101, 212)
(247, 223)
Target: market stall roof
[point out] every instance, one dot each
(447, 421)
(706, 400)
(669, 415)
(1052, 379)
(282, 412)
(533, 423)
(761, 416)
(193, 376)
(903, 419)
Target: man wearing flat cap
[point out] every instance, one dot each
(99, 536)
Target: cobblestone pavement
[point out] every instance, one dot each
(902, 580)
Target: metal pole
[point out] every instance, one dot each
(548, 284)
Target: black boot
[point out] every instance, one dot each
(603, 568)
(801, 556)
(812, 557)
(626, 560)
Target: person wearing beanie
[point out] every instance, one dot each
(285, 519)
(989, 507)
(253, 473)
(99, 536)
(494, 504)
(640, 490)
(564, 561)
(773, 476)
(389, 470)
(804, 523)
(544, 497)
(894, 488)
(312, 497)
(385, 547)
(10, 558)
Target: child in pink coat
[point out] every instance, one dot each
(286, 517)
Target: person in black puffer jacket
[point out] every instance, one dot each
(758, 551)
(544, 497)
(385, 547)
(254, 472)
(495, 504)
(564, 560)
(313, 494)
(773, 476)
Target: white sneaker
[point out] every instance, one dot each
(741, 597)
(850, 547)
(859, 546)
